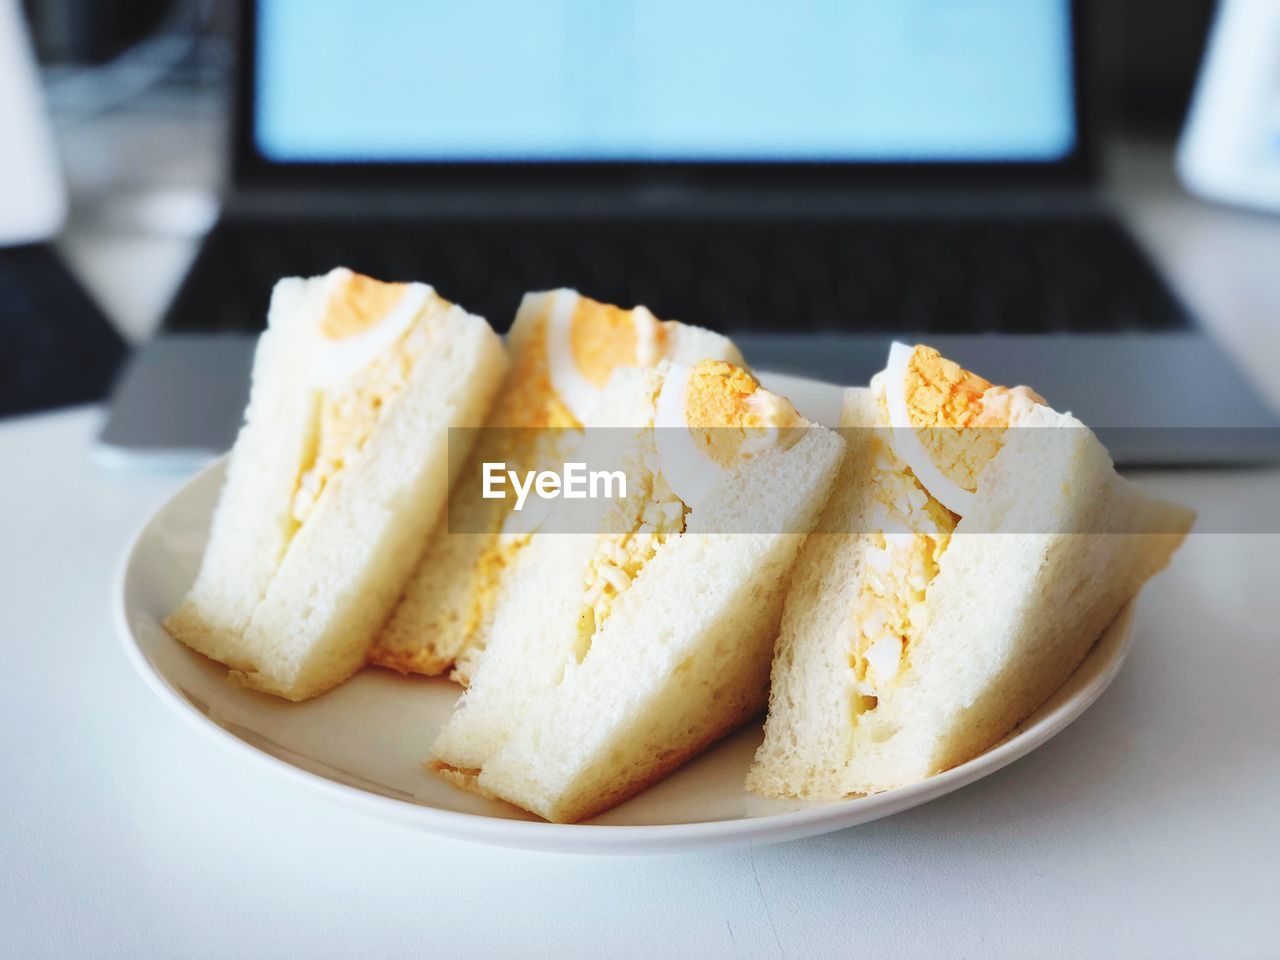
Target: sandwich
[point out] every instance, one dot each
(977, 544)
(563, 348)
(338, 474)
(619, 653)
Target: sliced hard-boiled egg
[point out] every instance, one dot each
(947, 423)
(709, 417)
(586, 341)
(688, 471)
(362, 319)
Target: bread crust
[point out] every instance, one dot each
(1009, 616)
(682, 660)
(436, 626)
(316, 610)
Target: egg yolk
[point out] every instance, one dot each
(350, 412)
(729, 413)
(954, 409)
(603, 337)
(358, 305)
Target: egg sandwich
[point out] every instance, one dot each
(617, 655)
(977, 544)
(340, 471)
(563, 347)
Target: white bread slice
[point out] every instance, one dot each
(1010, 613)
(293, 608)
(446, 604)
(445, 617)
(682, 660)
(252, 524)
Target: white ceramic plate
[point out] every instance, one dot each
(363, 744)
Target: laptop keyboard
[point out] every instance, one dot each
(1006, 275)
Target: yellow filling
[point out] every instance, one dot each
(945, 402)
(527, 401)
(493, 562)
(602, 337)
(729, 413)
(654, 513)
(527, 398)
(951, 406)
(359, 305)
(901, 563)
(728, 408)
(349, 412)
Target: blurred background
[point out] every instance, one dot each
(139, 95)
(138, 92)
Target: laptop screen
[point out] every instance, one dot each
(743, 81)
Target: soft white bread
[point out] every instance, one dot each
(546, 576)
(293, 605)
(1054, 545)
(445, 617)
(252, 524)
(567, 728)
(448, 597)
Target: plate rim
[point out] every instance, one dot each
(607, 839)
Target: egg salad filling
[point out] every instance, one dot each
(528, 398)
(914, 530)
(653, 513)
(369, 345)
(707, 419)
(926, 470)
(573, 346)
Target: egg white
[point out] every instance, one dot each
(906, 442)
(576, 392)
(884, 659)
(335, 361)
(689, 472)
(646, 324)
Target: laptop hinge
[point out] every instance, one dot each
(664, 201)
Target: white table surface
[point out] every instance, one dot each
(1151, 827)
